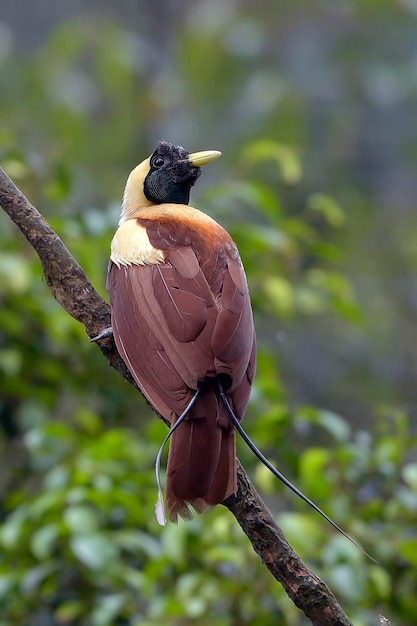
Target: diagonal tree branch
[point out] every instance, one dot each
(72, 289)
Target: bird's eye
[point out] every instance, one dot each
(158, 161)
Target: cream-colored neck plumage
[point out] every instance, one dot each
(134, 199)
(130, 244)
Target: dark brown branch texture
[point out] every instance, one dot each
(72, 289)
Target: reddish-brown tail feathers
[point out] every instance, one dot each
(202, 457)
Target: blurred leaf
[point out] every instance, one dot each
(81, 519)
(302, 531)
(280, 294)
(138, 541)
(330, 421)
(106, 609)
(328, 207)
(265, 479)
(336, 290)
(284, 156)
(14, 273)
(340, 550)
(6, 583)
(382, 581)
(313, 464)
(46, 502)
(35, 576)
(43, 540)
(250, 193)
(259, 239)
(345, 578)
(12, 528)
(57, 478)
(409, 474)
(68, 611)
(408, 549)
(10, 362)
(59, 186)
(88, 420)
(95, 550)
(309, 301)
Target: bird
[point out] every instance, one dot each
(182, 321)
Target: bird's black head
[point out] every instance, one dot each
(173, 171)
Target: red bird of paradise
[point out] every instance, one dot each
(182, 322)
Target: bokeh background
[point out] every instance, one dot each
(313, 105)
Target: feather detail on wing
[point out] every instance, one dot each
(167, 353)
(234, 336)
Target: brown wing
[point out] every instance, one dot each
(233, 341)
(177, 324)
(244, 335)
(233, 335)
(163, 318)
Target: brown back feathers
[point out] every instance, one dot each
(180, 323)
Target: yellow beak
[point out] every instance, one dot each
(202, 158)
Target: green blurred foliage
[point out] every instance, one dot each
(79, 543)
